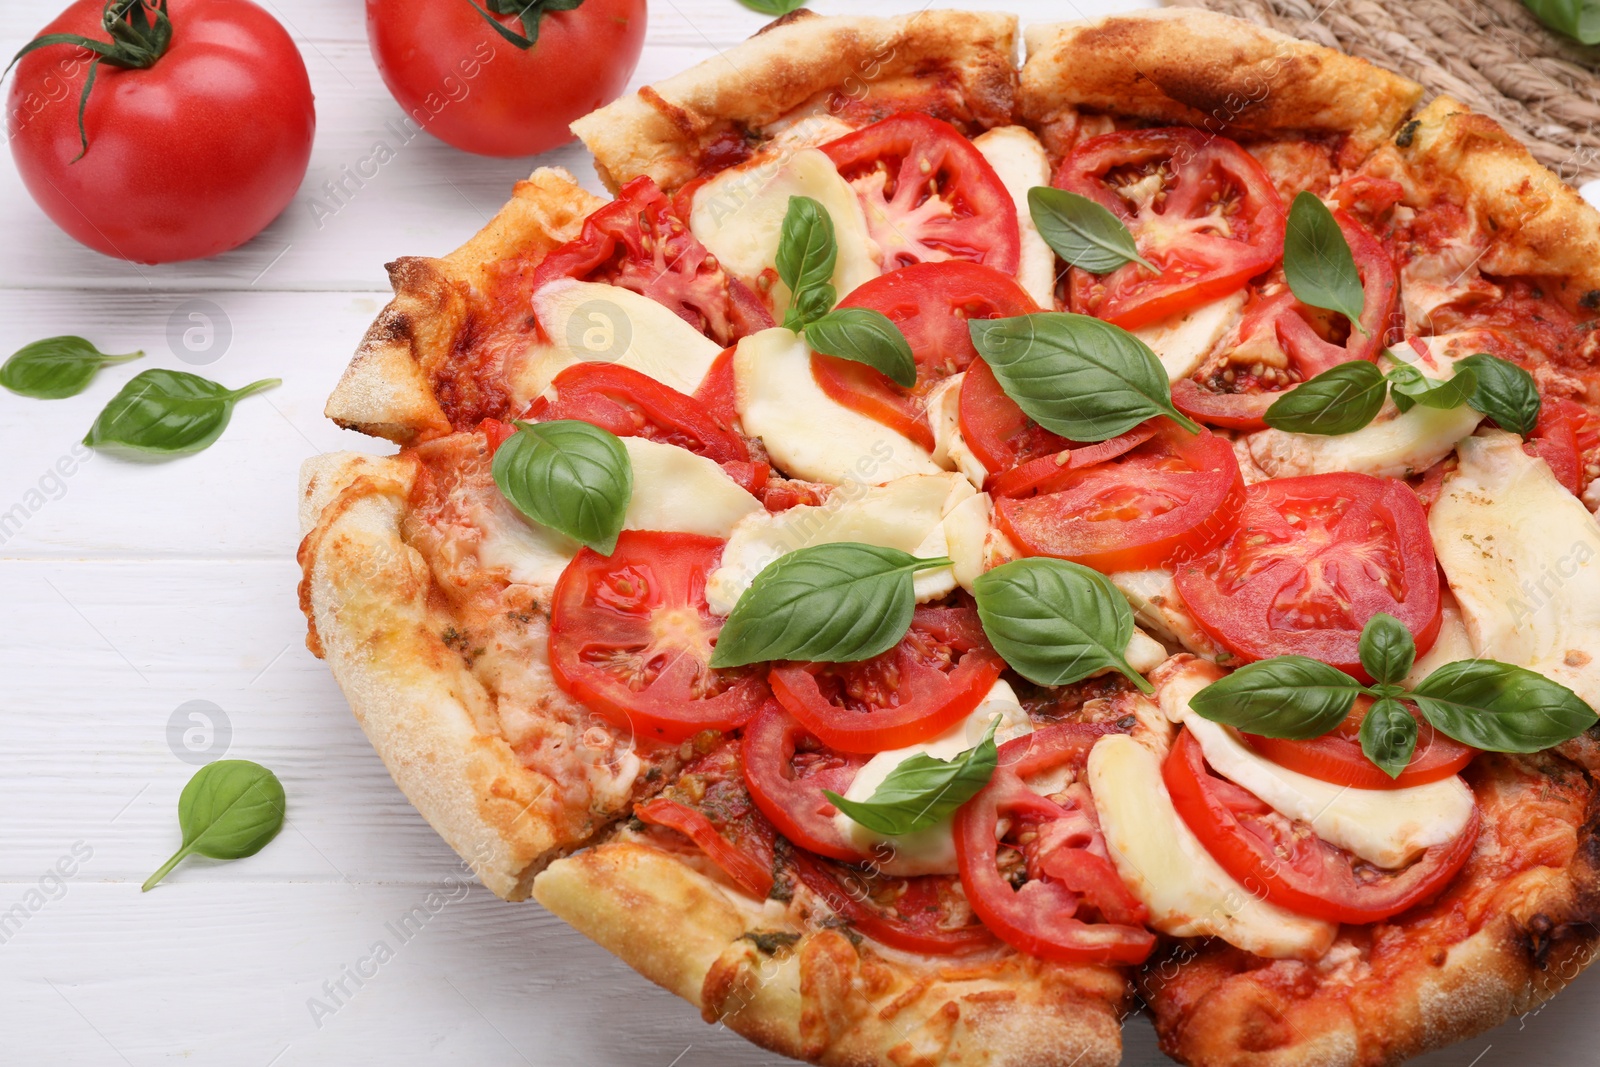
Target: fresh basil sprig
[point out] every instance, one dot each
(569, 475)
(230, 809)
(922, 790)
(807, 252)
(773, 7)
(832, 603)
(1342, 399)
(168, 413)
(1076, 375)
(1317, 261)
(865, 336)
(1348, 396)
(1578, 19)
(1083, 232)
(56, 367)
(1056, 622)
(1409, 386)
(1505, 392)
(1497, 707)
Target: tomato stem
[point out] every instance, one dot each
(528, 12)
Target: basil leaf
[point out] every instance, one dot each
(1389, 736)
(1579, 19)
(1342, 399)
(569, 475)
(1056, 622)
(230, 809)
(807, 252)
(832, 603)
(923, 791)
(1501, 708)
(1076, 375)
(774, 7)
(1404, 380)
(865, 336)
(168, 413)
(1506, 392)
(1287, 696)
(1317, 261)
(56, 367)
(1082, 232)
(1432, 392)
(1387, 649)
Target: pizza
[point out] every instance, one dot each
(951, 551)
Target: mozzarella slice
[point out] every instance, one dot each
(531, 554)
(966, 528)
(595, 322)
(1019, 160)
(1451, 645)
(1393, 445)
(908, 513)
(1165, 865)
(1183, 342)
(1157, 606)
(807, 432)
(950, 449)
(933, 850)
(1522, 556)
(738, 216)
(1386, 827)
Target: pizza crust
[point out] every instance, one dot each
(366, 595)
(823, 999)
(388, 389)
(661, 130)
(1218, 74)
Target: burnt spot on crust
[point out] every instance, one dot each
(1407, 134)
(797, 15)
(1590, 300)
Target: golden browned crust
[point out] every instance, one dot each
(1215, 73)
(388, 389)
(1515, 927)
(822, 998)
(367, 596)
(663, 128)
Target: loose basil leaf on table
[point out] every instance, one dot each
(168, 413)
(1505, 392)
(1056, 622)
(569, 475)
(923, 790)
(807, 252)
(1578, 19)
(1076, 375)
(865, 336)
(1317, 261)
(1083, 232)
(230, 809)
(1500, 707)
(832, 603)
(1340, 400)
(1389, 736)
(56, 367)
(1387, 648)
(1288, 696)
(774, 7)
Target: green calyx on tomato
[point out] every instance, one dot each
(528, 12)
(140, 34)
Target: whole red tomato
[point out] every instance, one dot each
(474, 87)
(195, 135)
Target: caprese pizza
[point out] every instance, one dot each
(946, 550)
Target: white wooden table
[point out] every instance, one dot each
(132, 591)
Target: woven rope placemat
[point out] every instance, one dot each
(1491, 55)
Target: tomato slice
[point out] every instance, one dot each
(1199, 207)
(912, 914)
(707, 803)
(994, 427)
(1049, 473)
(1072, 905)
(631, 637)
(1282, 342)
(930, 681)
(1566, 436)
(1288, 864)
(717, 389)
(928, 194)
(931, 303)
(1336, 756)
(632, 404)
(1309, 561)
(786, 769)
(1174, 495)
(638, 242)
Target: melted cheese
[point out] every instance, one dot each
(1165, 865)
(1183, 342)
(1158, 608)
(966, 528)
(738, 216)
(807, 432)
(908, 514)
(930, 851)
(950, 449)
(1522, 556)
(1452, 644)
(1019, 160)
